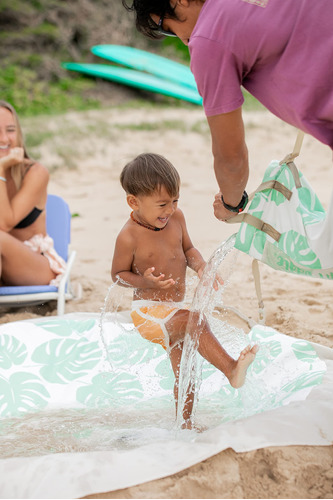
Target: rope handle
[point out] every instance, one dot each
(261, 307)
(257, 223)
(297, 149)
(273, 184)
(289, 159)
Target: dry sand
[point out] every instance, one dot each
(85, 153)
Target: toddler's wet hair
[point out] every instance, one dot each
(147, 173)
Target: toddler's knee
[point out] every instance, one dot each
(196, 317)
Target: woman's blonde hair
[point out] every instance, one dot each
(17, 171)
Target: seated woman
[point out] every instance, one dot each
(27, 256)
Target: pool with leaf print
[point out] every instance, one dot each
(59, 362)
(80, 414)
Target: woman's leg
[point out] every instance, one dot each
(21, 266)
(209, 347)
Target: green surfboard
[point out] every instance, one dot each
(136, 79)
(146, 61)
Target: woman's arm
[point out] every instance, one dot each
(32, 193)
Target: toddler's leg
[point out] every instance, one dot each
(209, 347)
(175, 358)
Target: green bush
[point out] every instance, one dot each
(30, 96)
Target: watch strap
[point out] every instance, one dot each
(241, 205)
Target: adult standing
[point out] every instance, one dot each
(281, 51)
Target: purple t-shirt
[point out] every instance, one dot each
(281, 51)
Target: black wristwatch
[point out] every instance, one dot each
(241, 205)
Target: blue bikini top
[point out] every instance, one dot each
(29, 219)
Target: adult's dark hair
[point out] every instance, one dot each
(143, 9)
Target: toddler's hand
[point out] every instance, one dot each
(217, 281)
(157, 281)
(15, 156)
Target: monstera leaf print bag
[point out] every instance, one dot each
(285, 225)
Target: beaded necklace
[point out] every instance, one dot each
(147, 227)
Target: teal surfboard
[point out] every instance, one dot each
(136, 79)
(146, 61)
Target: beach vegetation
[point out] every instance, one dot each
(153, 126)
(36, 138)
(38, 35)
(32, 95)
(47, 31)
(20, 6)
(201, 127)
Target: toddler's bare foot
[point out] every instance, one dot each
(246, 357)
(188, 425)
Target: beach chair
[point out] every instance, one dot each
(285, 226)
(58, 224)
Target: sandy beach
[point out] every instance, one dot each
(85, 153)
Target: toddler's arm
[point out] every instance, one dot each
(195, 260)
(144, 282)
(193, 257)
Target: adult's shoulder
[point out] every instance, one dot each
(35, 170)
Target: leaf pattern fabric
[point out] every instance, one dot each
(60, 363)
(299, 221)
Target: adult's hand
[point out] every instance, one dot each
(220, 212)
(15, 156)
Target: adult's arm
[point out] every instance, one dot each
(230, 159)
(32, 193)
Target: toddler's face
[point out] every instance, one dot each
(156, 209)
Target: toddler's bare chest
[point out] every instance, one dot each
(159, 251)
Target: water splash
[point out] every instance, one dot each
(112, 302)
(105, 350)
(205, 299)
(70, 430)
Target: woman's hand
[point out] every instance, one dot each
(15, 156)
(157, 281)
